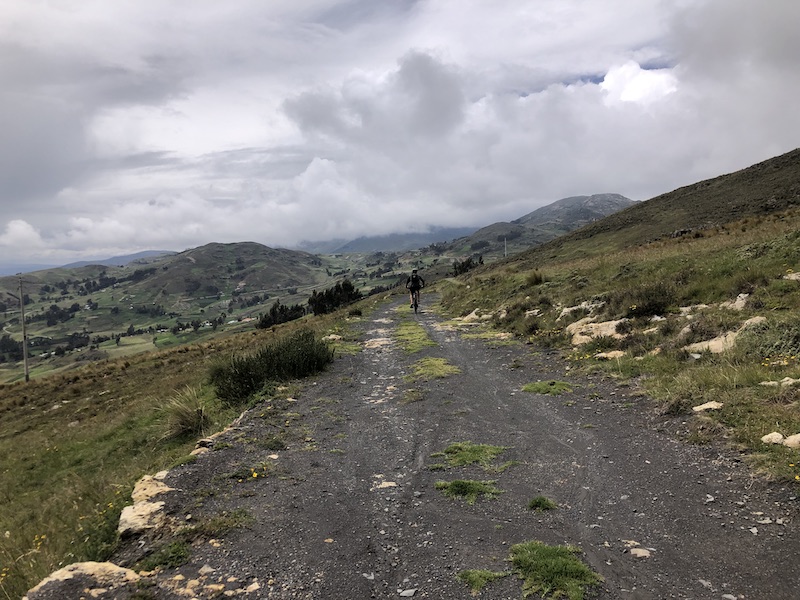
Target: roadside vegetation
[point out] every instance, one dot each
(664, 295)
(73, 444)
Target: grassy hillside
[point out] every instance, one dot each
(95, 312)
(659, 294)
(73, 444)
(757, 191)
(535, 228)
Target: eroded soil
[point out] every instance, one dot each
(348, 510)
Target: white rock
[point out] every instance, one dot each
(793, 441)
(612, 355)
(640, 552)
(140, 517)
(148, 488)
(585, 330)
(713, 405)
(773, 438)
(738, 304)
(105, 574)
(723, 342)
(408, 593)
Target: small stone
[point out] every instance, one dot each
(408, 593)
(713, 405)
(640, 553)
(206, 570)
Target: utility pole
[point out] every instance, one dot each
(24, 331)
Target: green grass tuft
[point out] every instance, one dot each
(169, 556)
(188, 414)
(433, 368)
(468, 489)
(460, 454)
(412, 336)
(552, 571)
(541, 504)
(476, 579)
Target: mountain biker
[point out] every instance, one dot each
(414, 284)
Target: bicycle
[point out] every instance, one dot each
(415, 301)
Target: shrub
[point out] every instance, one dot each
(298, 355)
(649, 300)
(341, 294)
(748, 281)
(187, 414)
(534, 279)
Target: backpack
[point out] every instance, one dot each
(414, 280)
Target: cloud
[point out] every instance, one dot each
(310, 119)
(20, 236)
(631, 83)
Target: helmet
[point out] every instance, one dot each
(413, 270)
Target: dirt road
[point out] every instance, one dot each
(349, 510)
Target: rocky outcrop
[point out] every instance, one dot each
(723, 342)
(84, 580)
(585, 330)
(145, 513)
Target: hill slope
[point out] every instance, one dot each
(575, 211)
(767, 187)
(540, 226)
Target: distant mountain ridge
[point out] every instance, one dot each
(122, 261)
(541, 225)
(575, 211)
(394, 242)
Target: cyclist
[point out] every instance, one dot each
(414, 284)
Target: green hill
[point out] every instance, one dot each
(762, 189)
(537, 227)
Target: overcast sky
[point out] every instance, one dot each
(129, 125)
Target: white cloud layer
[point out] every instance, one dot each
(142, 124)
